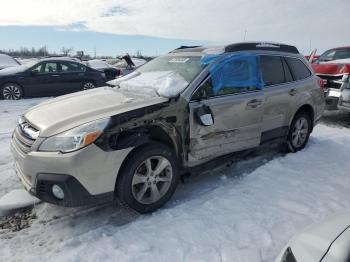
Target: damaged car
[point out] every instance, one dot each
(180, 112)
(333, 67)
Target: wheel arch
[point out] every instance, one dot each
(309, 110)
(144, 136)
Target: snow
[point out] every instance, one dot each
(138, 61)
(15, 199)
(7, 61)
(246, 212)
(163, 83)
(98, 64)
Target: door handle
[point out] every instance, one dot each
(254, 103)
(55, 75)
(293, 92)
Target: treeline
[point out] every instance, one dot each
(28, 52)
(25, 52)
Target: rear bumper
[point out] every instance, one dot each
(344, 100)
(332, 99)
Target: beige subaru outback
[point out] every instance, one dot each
(180, 111)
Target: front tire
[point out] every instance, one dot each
(88, 85)
(148, 179)
(11, 91)
(299, 131)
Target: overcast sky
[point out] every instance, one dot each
(307, 24)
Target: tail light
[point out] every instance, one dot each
(321, 84)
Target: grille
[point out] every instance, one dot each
(23, 140)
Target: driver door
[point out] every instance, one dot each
(237, 122)
(42, 79)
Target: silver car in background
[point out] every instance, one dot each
(325, 242)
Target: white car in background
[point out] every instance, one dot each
(110, 71)
(325, 242)
(7, 61)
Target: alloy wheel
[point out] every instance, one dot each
(11, 92)
(300, 132)
(152, 179)
(88, 85)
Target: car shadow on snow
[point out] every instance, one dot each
(336, 118)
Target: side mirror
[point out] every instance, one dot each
(205, 116)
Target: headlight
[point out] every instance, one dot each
(75, 138)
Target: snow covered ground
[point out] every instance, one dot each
(246, 212)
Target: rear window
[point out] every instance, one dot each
(272, 70)
(298, 68)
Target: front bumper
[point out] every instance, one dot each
(87, 176)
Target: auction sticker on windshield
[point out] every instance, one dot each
(179, 60)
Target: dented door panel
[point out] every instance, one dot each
(237, 126)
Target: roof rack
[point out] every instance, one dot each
(261, 46)
(187, 46)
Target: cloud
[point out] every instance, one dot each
(301, 22)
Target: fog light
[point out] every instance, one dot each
(58, 192)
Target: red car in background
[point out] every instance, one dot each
(333, 66)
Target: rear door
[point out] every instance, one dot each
(278, 95)
(237, 121)
(283, 91)
(71, 77)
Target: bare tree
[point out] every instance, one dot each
(66, 51)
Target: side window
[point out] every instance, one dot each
(50, 67)
(38, 68)
(299, 69)
(342, 54)
(204, 91)
(287, 73)
(72, 67)
(237, 78)
(272, 70)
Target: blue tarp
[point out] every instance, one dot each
(234, 71)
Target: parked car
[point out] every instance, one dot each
(328, 241)
(48, 77)
(129, 64)
(181, 111)
(333, 66)
(7, 61)
(110, 71)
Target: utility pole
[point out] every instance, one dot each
(94, 51)
(245, 34)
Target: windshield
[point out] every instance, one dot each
(334, 54)
(165, 76)
(186, 66)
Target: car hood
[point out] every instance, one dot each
(331, 68)
(65, 112)
(313, 242)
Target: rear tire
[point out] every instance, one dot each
(11, 91)
(148, 179)
(299, 131)
(88, 85)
